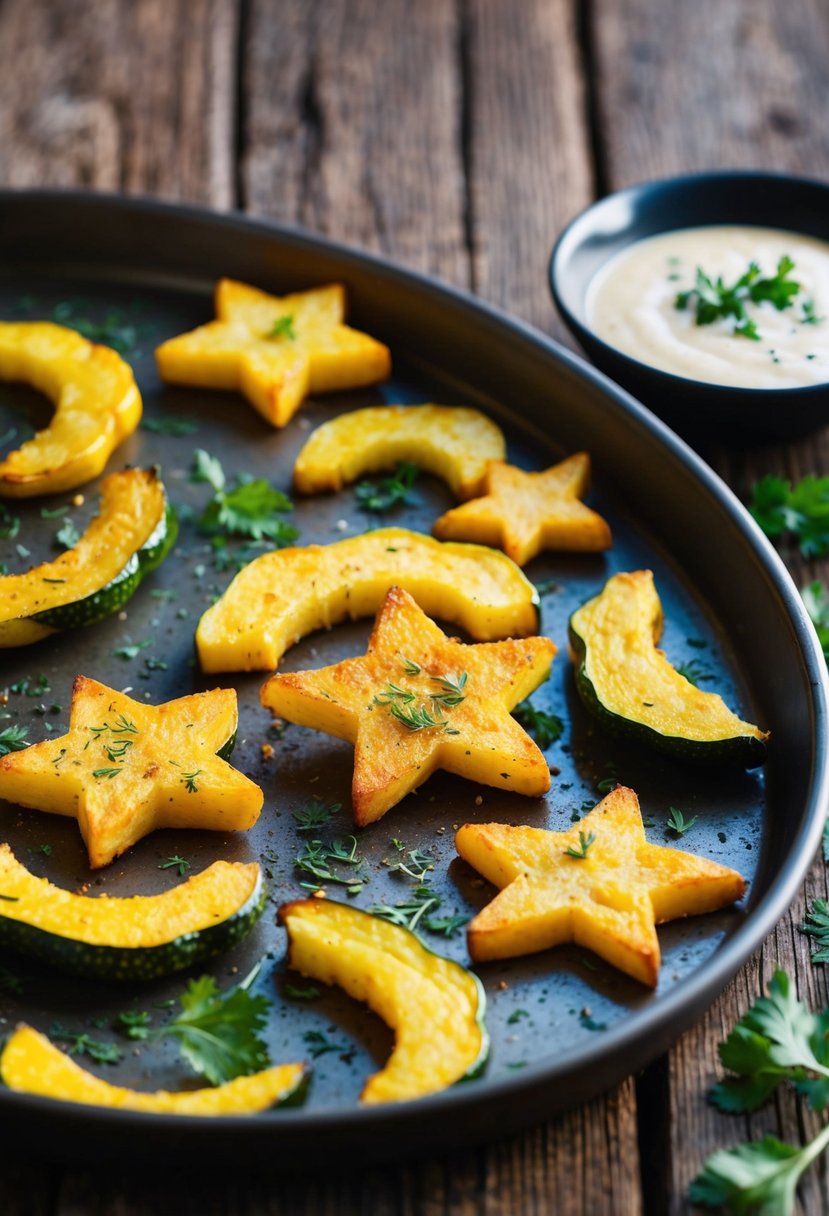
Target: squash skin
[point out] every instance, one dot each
(31, 1064)
(97, 406)
(452, 442)
(202, 917)
(280, 597)
(383, 965)
(135, 495)
(740, 742)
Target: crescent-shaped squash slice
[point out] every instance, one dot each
(630, 687)
(435, 1006)
(97, 404)
(138, 937)
(451, 442)
(133, 533)
(30, 1064)
(280, 597)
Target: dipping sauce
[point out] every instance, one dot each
(632, 304)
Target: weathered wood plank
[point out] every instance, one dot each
(116, 96)
(744, 91)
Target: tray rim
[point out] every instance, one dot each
(648, 1031)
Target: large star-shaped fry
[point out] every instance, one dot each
(600, 885)
(126, 768)
(525, 513)
(418, 701)
(275, 349)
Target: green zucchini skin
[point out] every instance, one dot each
(739, 749)
(111, 598)
(122, 963)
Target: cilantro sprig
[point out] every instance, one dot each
(218, 1033)
(389, 492)
(801, 509)
(252, 508)
(712, 300)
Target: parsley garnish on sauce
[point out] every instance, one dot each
(713, 301)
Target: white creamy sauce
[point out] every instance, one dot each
(631, 304)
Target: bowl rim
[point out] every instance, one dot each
(639, 190)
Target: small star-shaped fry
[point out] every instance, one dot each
(600, 884)
(126, 768)
(275, 349)
(418, 701)
(525, 513)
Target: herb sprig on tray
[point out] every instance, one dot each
(252, 509)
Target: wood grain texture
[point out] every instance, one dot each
(116, 96)
(753, 78)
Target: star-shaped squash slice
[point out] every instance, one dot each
(275, 349)
(418, 701)
(526, 513)
(126, 768)
(600, 884)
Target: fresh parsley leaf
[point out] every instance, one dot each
(130, 651)
(301, 994)
(250, 509)
(67, 535)
(516, 1016)
(80, 1044)
(135, 1024)
(53, 512)
(802, 510)
(218, 1032)
(314, 814)
(207, 468)
(545, 728)
(808, 316)
(389, 492)
(695, 672)
(678, 824)
(171, 425)
(817, 926)
(758, 1177)
(713, 301)
(176, 863)
(13, 739)
(817, 605)
(283, 327)
(319, 1044)
(318, 859)
(39, 689)
(416, 866)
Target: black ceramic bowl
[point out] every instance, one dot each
(697, 409)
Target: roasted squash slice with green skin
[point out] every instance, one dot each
(452, 442)
(30, 1064)
(132, 534)
(282, 596)
(97, 405)
(630, 687)
(135, 938)
(435, 1006)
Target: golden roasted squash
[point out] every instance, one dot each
(630, 687)
(30, 1064)
(599, 884)
(435, 1006)
(280, 597)
(451, 442)
(418, 701)
(132, 534)
(137, 937)
(275, 349)
(97, 404)
(126, 768)
(526, 513)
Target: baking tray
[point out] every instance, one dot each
(729, 605)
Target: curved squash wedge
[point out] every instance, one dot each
(30, 1064)
(138, 937)
(97, 404)
(280, 597)
(133, 533)
(434, 1005)
(630, 687)
(451, 442)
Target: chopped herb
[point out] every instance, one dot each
(9, 524)
(585, 842)
(411, 668)
(11, 899)
(131, 650)
(589, 1023)
(170, 424)
(22, 551)
(39, 689)
(389, 491)
(176, 863)
(516, 1016)
(416, 866)
(713, 301)
(153, 664)
(207, 468)
(409, 913)
(163, 593)
(218, 1032)
(189, 781)
(801, 510)
(109, 773)
(135, 1024)
(398, 844)
(318, 859)
(115, 330)
(314, 815)
(13, 739)
(697, 643)
(547, 586)
(808, 316)
(420, 718)
(607, 784)
(301, 994)
(54, 580)
(452, 690)
(545, 728)
(695, 672)
(319, 1045)
(817, 926)
(52, 512)
(83, 1044)
(515, 1064)
(817, 606)
(45, 849)
(283, 327)
(445, 926)
(678, 824)
(67, 535)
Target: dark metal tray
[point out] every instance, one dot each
(722, 585)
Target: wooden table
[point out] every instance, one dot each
(456, 136)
